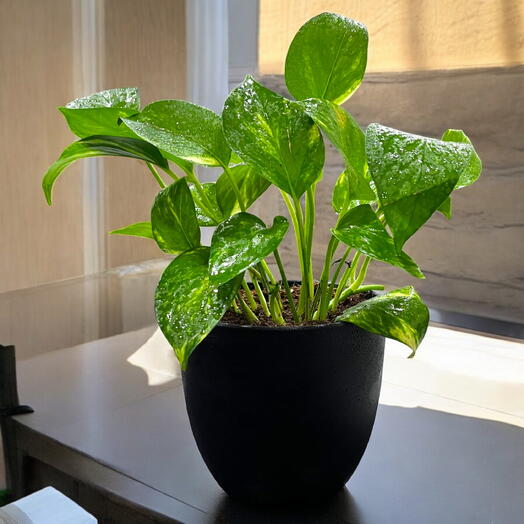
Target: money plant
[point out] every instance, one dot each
(393, 182)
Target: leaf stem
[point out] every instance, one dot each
(274, 305)
(348, 274)
(158, 178)
(322, 295)
(236, 190)
(285, 283)
(331, 287)
(206, 203)
(249, 295)
(298, 239)
(268, 272)
(261, 297)
(173, 175)
(250, 316)
(352, 290)
(236, 309)
(306, 294)
(310, 227)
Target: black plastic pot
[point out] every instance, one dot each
(283, 414)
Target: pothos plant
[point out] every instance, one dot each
(393, 182)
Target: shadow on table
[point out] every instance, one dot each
(340, 509)
(421, 466)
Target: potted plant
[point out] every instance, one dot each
(281, 378)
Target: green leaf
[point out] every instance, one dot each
(140, 229)
(446, 208)
(188, 305)
(203, 217)
(240, 242)
(346, 135)
(251, 186)
(100, 113)
(399, 314)
(327, 58)
(235, 159)
(413, 176)
(474, 167)
(275, 135)
(101, 146)
(174, 220)
(350, 189)
(361, 229)
(183, 130)
(341, 129)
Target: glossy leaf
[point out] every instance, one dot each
(235, 159)
(399, 314)
(188, 304)
(350, 190)
(203, 217)
(446, 208)
(101, 146)
(341, 129)
(184, 130)
(174, 220)
(140, 229)
(274, 134)
(240, 242)
(327, 58)
(413, 176)
(361, 229)
(471, 173)
(346, 135)
(100, 113)
(250, 183)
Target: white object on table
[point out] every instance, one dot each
(47, 506)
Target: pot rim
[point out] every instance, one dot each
(323, 325)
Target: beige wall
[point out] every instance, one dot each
(407, 35)
(37, 244)
(144, 46)
(156, 63)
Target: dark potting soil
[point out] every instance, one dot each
(230, 317)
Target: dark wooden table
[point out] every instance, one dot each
(123, 449)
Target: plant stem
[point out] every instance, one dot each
(369, 287)
(360, 289)
(261, 297)
(236, 190)
(268, 272)
(361, 274)
(158, 178)
(355, 284)
(341, 263)
(322, 295)
(348, 274)
(274, 306)
(285, 282)
(310, 227)
(236, 309)
(250, 316)
(294, 221)
(206, 203)
(249, 295)
(173, 175)
(306, 294)
(333, 282)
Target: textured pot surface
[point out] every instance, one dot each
(281, 414)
